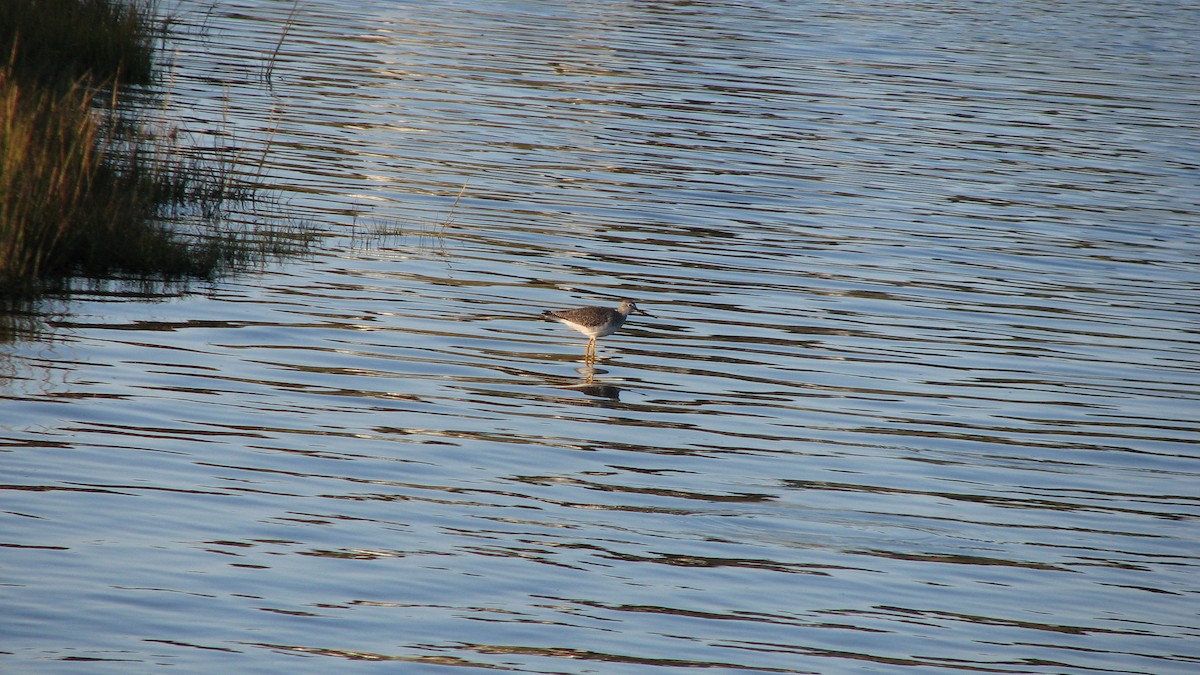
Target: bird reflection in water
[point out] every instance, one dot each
(598, 389)
(591, 387)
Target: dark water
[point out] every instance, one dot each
(921, 391)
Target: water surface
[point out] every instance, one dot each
(921, 389)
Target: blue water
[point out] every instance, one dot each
(919, 394)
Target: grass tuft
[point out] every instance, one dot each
(86, 186)
(59, 42)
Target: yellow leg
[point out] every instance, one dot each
(590, 356)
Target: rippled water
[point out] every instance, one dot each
(921, 389)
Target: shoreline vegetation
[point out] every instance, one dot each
(89, 185)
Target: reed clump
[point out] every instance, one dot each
(87, 187)
(63, 41)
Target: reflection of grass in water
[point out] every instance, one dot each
(86, 186)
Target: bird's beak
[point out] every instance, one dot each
(642, 311)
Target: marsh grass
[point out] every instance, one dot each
(90, 186)
(429, 237)
(449, 219)
(269, 68)
(59, 42)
